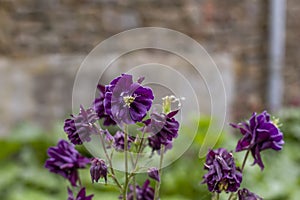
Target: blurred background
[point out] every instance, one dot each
(43, 42)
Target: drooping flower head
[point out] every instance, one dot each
(222, 173)
(80, 196)
(119, 140)
(163, 128)
(245, 194)
(154, 174)
(98, 105)
(98, 170)
(259, 133)
(146, 192)
(127, 102)
(79, 128)
(65, 160)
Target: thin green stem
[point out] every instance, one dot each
(245, 159)
(134, 185)
(157, 185)
(126, 163)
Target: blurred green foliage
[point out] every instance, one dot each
(23, 176)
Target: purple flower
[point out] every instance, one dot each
(79, 128)
(146, 192)
(222, 173)
(80, 196)
(164, 129)
(259, 133)
(127, 102)
(98, 170)
(98, 105)
(109, 139)
(245, 194)
(119, 141)
(154, 174)
(64, 159)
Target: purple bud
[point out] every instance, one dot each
(154, 174)
(98, 170)
(245, 194)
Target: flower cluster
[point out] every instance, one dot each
(122, 102)
(258, 133)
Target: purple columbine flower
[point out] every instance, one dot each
(164, 129)
(146, 192)
(222, 173)
(79, 128)
(245, 194)
(98, 170)
(98, 105)
(127, 102)
(80, 196)
(119, 141)
(259, 133)
(154, 174)
(64, 159)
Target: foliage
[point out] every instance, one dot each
(23, 176)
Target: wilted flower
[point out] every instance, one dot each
(98, 105)
(259, 133)
(98, 170)
(146, 192)
(127, 102)
(119, 141)
(154, 173)
(222, 173)
(79, 128)
(245, 194)
(164, 129)
(64, 159)
(80, 196)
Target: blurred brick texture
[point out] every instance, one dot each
(33, 29)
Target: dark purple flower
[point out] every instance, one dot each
(222, 173)
(80, 196)
(245, 194)
(98, 170)
(98, 105)
(154, 174)
(127, 102)
(259, 133)
(119, 141)
(64, 159)
(146, 192)
(164, 129)
(79, 128)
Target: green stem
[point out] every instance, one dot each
(245, 159)
(134, 185)
(126, 163)
(157, 185)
